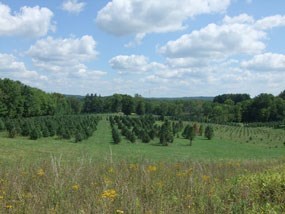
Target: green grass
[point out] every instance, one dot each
(222, 175)
(100, 147)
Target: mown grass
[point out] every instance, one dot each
(100, 147)
(51, 175)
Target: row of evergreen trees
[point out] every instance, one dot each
(79, 127)
(191, 131)
(145, 128)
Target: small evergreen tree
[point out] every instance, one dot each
(209, 132)
(116, 136)
(191, 134)
(2, 125)
(201, 130)
(78, 137)
(166, 135)
(35, 133)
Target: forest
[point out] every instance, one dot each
(18, 100)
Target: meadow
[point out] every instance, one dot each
(241, 170)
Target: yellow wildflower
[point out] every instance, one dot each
(8, 206)
(119, 211)
(109, 194)
(133, 166)
(206, 178)
(1, 197)
(110, 170)
(151, 168)
(107, 181)
(40, 172)
(75, 187)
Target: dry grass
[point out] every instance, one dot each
(86, 186)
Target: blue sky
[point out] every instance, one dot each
(161, 48)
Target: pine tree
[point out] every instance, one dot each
(116, 136)
(209, 132)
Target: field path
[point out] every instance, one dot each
(103, 132)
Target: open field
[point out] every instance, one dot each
(231, 173)
(100, 147)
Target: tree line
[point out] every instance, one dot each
(19, 100)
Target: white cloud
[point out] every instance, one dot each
(65, 59)
(270, 22)
(125, 17)
(73, 6)
(28, 22)
(235, 36)
(268, 62)
(55, 54)
(11, 68)
(134, 64)
(240, 19)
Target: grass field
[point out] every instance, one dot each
(222, 175)
(100, 147)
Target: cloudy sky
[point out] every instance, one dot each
(157, 48)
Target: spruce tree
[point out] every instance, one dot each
(209, 132)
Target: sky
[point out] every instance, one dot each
(155, 48)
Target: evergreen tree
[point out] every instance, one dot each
(166, 135)
(116, 136)
(209, 132)
(2, 125)
(191, 134)
(201, 130)
(35, 133)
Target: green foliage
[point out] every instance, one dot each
(116, 136)
(165, 134)
(35, 134)
(209, 132)
(2, 125)
(201, 130)
(266, 189)
(79, 137)
(189, 133)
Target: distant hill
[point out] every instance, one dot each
(80, 97)
(182, 98)
(202, 98)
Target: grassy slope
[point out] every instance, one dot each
(100, 147)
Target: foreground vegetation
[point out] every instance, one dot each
(86, 186)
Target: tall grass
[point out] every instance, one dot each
(87, 186)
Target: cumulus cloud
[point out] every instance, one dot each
(134, 64)
(10, 67)
(125, 17)
(57, 53)
(73, 6)
(270, 22)
(28, 22)
(236, 35)
(266, 62)
(66, 58)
